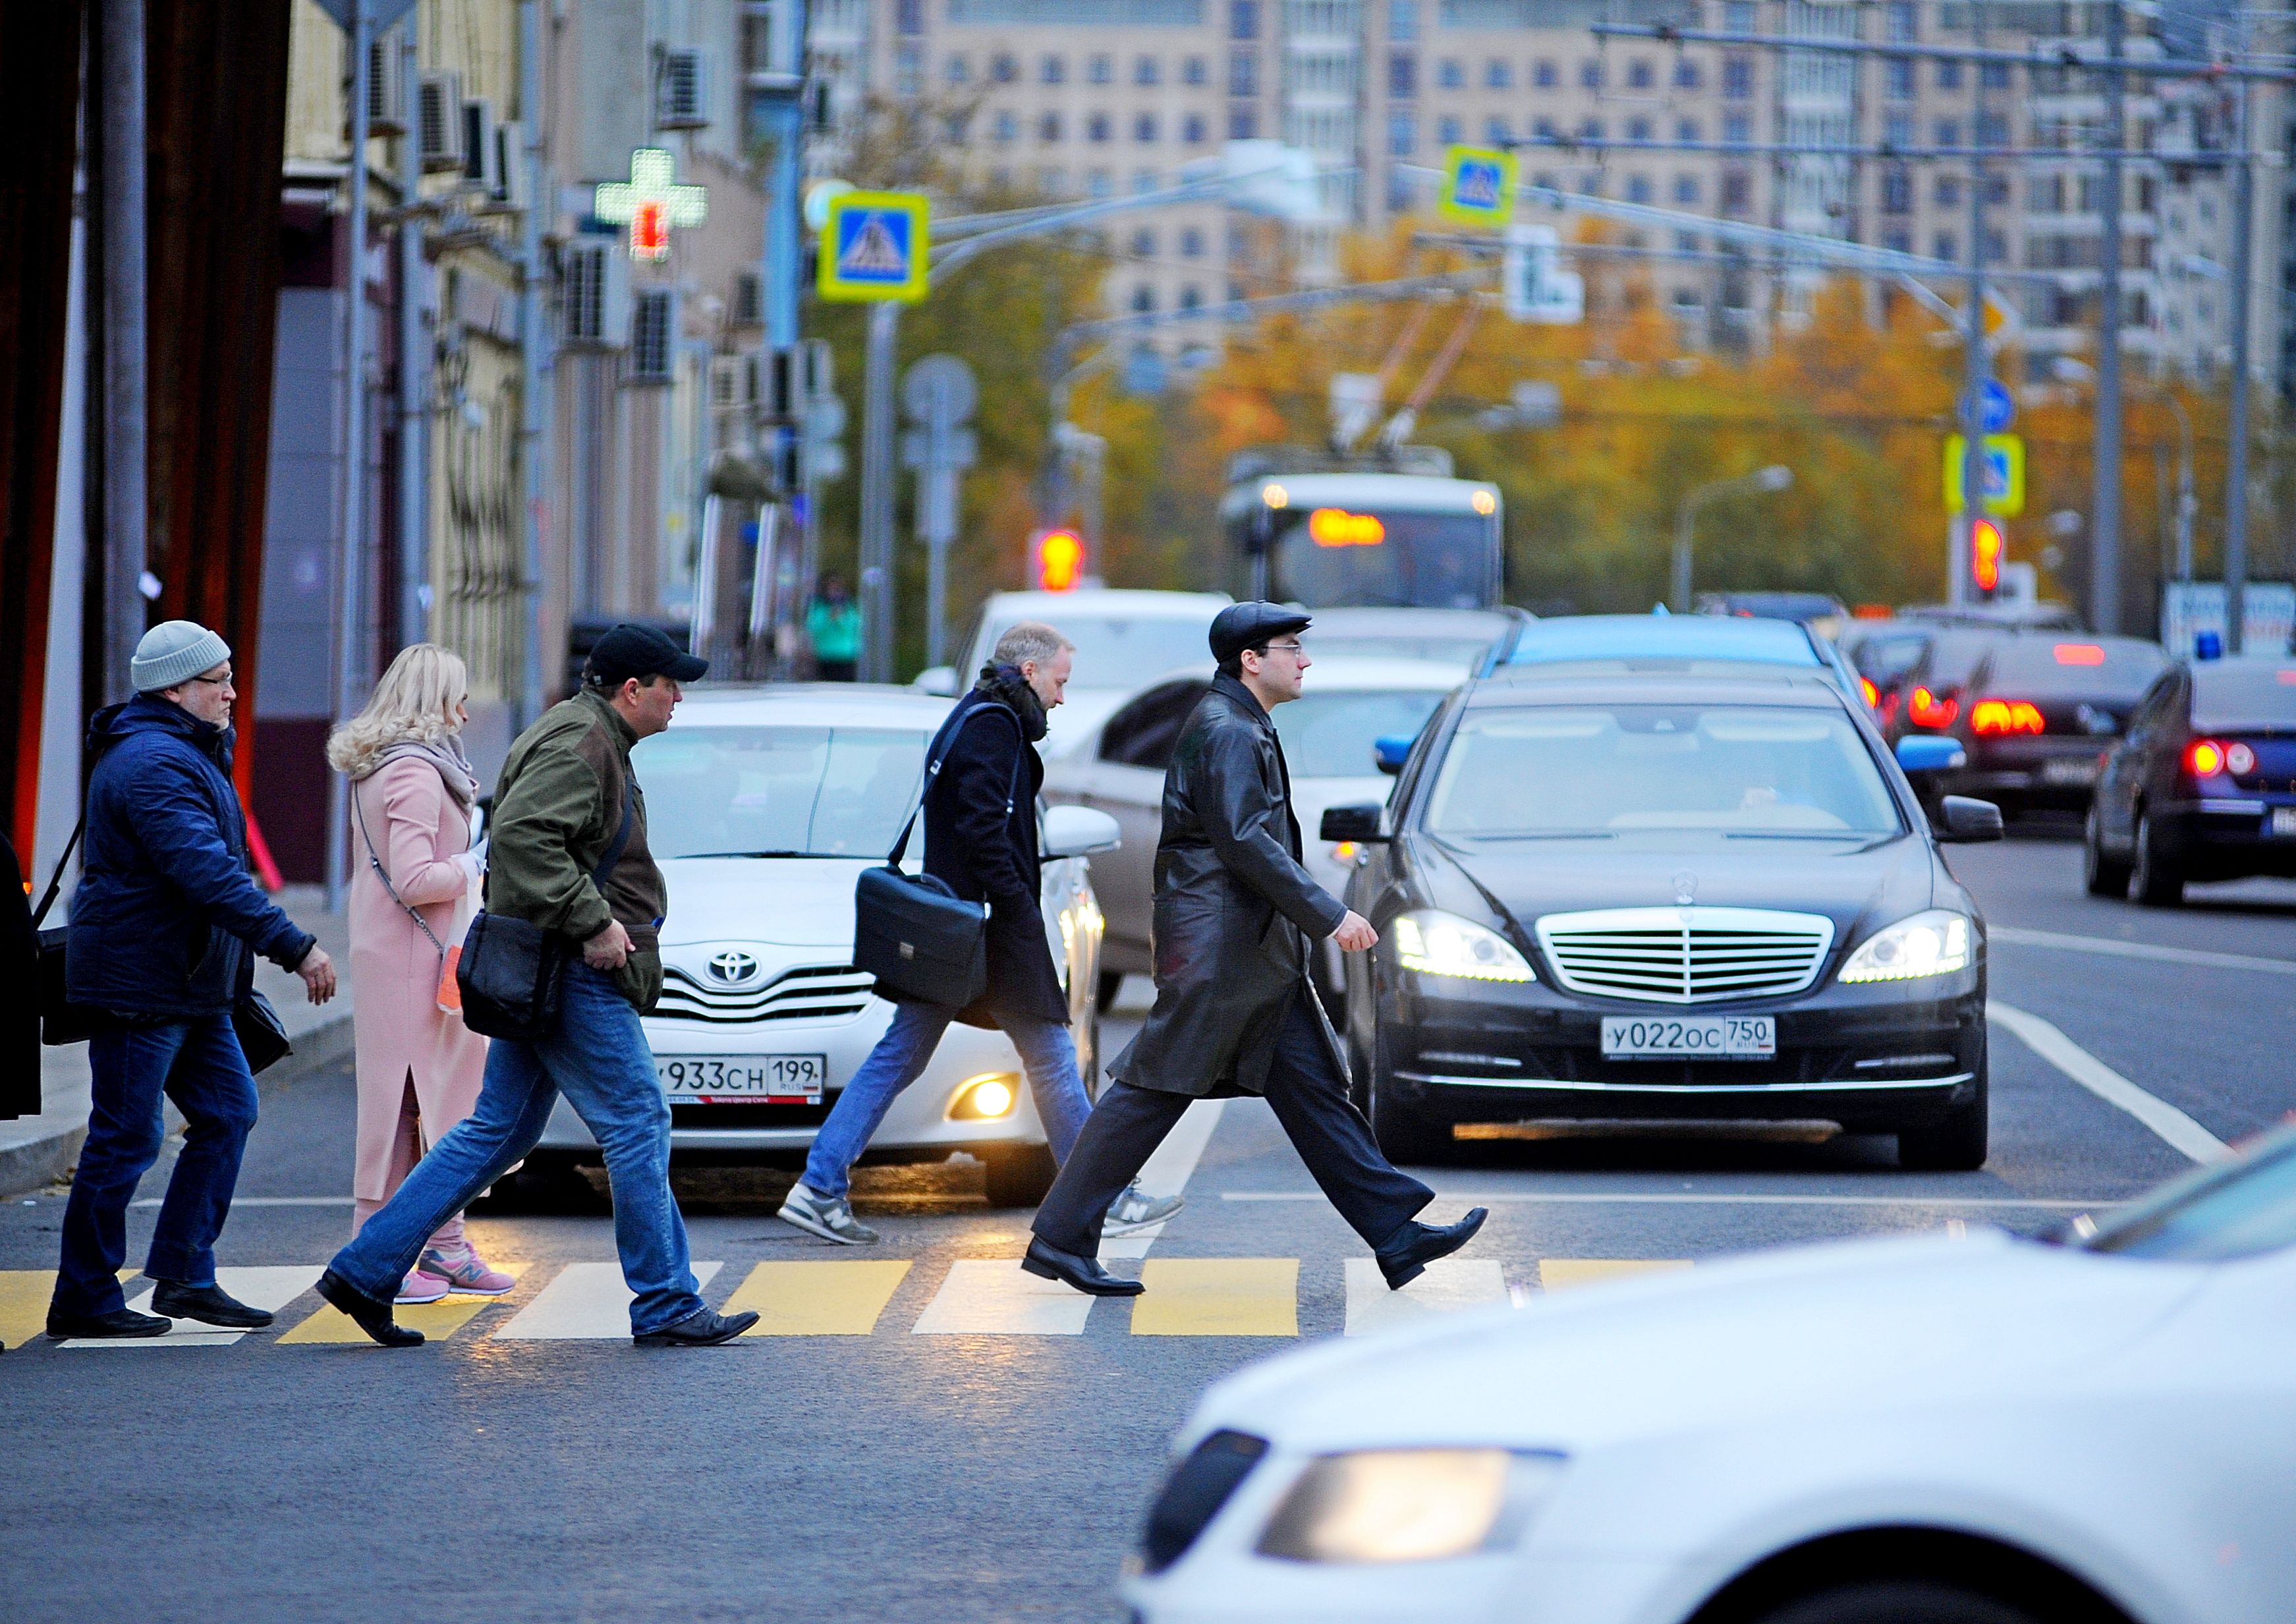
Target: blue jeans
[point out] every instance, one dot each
(198, 1064)
(598, 1058)
(1047, 1052)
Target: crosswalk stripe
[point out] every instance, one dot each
(1561, 1273)
(1218, 1297)
(991, 1297)
(1448, 1286)
(271, 1287)
(807, 1299)
(436, 1321)
(24, 1294)
(585, 1302)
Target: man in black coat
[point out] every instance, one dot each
(1234, 1011)
(983, 775)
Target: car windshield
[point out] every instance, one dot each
(2232, 1210)
(1122, 650)
(1331, 735)
(2039, 665)
(1735, 769)
(1886, 657)
(778, 792)
(1433, 560)
(2245, 696)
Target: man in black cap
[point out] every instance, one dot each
(1234, 1013)
(568, 854)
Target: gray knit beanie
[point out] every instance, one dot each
(175, 651)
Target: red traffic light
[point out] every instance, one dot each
(1059, 559)
(1985, 545)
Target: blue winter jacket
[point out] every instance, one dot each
(165, 910)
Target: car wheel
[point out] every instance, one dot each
(1897, 1602)
(1111, 982)
(547, 1182)
(2160, 876)
(1955, 1141)
(2104, 876)
(1018, 1175)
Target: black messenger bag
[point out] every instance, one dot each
(915, 935)
(509, 970)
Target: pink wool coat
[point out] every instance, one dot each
(418, 829)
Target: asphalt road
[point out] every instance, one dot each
(910, 1472)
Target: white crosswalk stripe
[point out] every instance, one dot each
(991, 1297)
(1449, 1284)
(585, 1302)
(268, 1288)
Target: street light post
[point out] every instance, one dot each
(1776, 477)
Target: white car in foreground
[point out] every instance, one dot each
(763, 806)
(1921, 1431)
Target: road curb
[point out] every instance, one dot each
(39, 1162)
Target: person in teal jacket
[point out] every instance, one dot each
(834, 625)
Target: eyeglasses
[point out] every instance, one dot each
(225, 681)
(1291, 648)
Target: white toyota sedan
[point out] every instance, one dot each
(763, 806)
(1981, 1430)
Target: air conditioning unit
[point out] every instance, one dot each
(654, 335)
(681, 96)
(509, 188)
(732, 383)
(439, 121)
(386, 89)
(749, 299)
(482, 157)
(594, 289)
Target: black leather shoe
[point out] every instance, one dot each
(699, 1329)
(1085, 1274)
(210, 1305)
(1406, 1257)
(370, 1314)
(119, 1321)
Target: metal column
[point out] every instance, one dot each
(2235, 558)
(2104, 515)
(413, 369)
(126, 508)
(877, 626)
(349, 641)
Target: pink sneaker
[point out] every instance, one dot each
(422, 1285)
(464, 1270)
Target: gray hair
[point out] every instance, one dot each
(1029, 640)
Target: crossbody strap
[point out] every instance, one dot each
(375, 862)
(56, 880)
(932, 771)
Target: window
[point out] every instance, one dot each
(1191, 244)
(1402, 75)
(1243, 73)
(1949, 192)
(1686, 73)
(1948, 246)
(1191, 130)
(1901, 22)
(1638, 129)
(1052, 70)
(1242, 125)
(1144, 181)
(1898, 129)
(1949, 132)
(1402, 20)
(1143, 299)
(1590, 129)
(1450, 73)
(909, 17)
(1897, 78)
(1685, 188)
(1007, 127)
(1737, 129)
(1144, 243)
(1897, 192)
(1143, 128)
(1244, 19)
(813, 789)
(1191, 297)
(1195, 70)
(959, 70)
(1543, 129)
(1099, 183)
(1737, 191)
(1590, 73)
(1688, 242)
(956, 126)
(1545, 74)
(908, 69)
(1002, 69)
(1992, 129)
(1144, 731)
(1993, 76)
(1738, 17)
(1738, 79)
(1048, 128)
(1095, 128)
(1948, 76)
(1498, 74)
(1639, 75)
(1052, 179)
(1638, 189)
(1686, 129)
(1897, 242)
(1446, 131)
(1996, 188)
(1099, 68)
(1497, 131)
(1997, 247)
(1402, 135)
(1148, 70)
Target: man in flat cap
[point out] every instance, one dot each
(1234, 1013)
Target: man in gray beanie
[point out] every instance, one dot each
(160, 929)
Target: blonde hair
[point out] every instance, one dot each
(414, 703)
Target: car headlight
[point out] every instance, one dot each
(1435, 943)
(1935, 942)
(1407, 1505)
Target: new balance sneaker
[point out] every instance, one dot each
(464, 1270)
(830, 1217)
(421, 1285)
(1136, 1210)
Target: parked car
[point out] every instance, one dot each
(1934, 1429)
(2202, 784)
(1468, 638)
(1331, 735)
(1665, 896)
(763, 806)
(2039, 711)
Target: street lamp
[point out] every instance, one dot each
(1776, 477)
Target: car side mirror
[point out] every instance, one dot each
(939, 681)
(1080, 832)
(1352, 823)
(1930, 752)
(1391, 751)
(1964, 821)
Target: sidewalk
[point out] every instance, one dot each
(36, 1150)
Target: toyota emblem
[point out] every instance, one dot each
(733, 968)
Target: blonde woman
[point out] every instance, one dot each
(419, 1066)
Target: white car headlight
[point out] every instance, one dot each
(1435, 943)
(1407, 1505)
(1935, 942)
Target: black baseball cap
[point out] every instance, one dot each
(630, 650)
(1244, 626)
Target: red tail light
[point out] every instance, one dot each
(1872, 694)
(2079, 654)
(1927, 709)
(2204, 758)
(1996, 716)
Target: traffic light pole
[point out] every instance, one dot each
(877, 494)
(2235, 560)
(1960, 589)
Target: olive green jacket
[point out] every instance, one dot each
(557, 807)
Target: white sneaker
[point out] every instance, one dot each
(829, 1217)
(1137, 1210)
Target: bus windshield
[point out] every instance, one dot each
(1387, 560)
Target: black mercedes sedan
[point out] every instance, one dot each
(1651, 898)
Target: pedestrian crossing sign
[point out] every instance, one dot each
(1479, 185)
(873, 247)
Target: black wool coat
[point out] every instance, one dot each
(988, 853)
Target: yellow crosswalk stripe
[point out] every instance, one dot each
(1559, 1274)
(436, 1320)
(1217, 1297)
(807, 1299)
(24, 1294)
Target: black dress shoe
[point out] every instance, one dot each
(1086, 1274)
(119, 1321)
(699, 1329)
(210, 1305)
(370, 1314)
(1406, 1255)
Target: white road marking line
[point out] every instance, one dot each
(268, 1288)
(2016, 936)
(1168, 1172)
(991, 1297)
(1491, 1198)
(1448, 1286)
(585, 1302)
(2172, 1124)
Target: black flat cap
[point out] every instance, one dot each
(630, 650)
(1242, 626)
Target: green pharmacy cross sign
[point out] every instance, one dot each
(650, 202)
